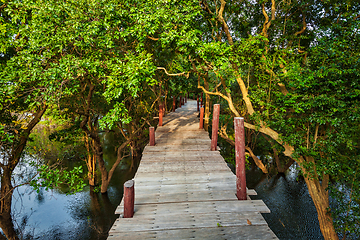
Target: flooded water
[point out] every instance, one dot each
(85, 215)
(88, 215)
(55, 215)
(293, 214)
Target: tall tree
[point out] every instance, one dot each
(292, 89)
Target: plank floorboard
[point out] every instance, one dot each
(215, 233)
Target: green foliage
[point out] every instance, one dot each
(51, 178)
(97, 63)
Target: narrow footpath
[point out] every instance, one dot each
(184, 191)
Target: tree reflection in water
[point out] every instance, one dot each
(54, 215)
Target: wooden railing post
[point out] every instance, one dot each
(240, 158)
(161, 109)
(215, 127)
(152, 136)
(129, 199)
(180, 102)
(201, 126)
(197, 100)
(183, 101)
(174, 104)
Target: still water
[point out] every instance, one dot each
(54, 215)
(293, 214)
(88, 215)
(85, 215)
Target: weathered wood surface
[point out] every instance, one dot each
(183, 190)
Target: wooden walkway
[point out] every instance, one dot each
(183, 190)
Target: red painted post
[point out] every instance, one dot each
(174, 104)
(129, 199)
(180, 102)
(215, 127)
(201, 126)
(161, 109)
(183, 101)
(197, 100)
(152, 136)
(240, 158)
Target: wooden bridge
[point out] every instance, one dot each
(183, 190)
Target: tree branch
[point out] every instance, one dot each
(316, 133)
(223, 134)
(120, 149)
(267, 22)
(152, 38)
(206, 7)
(257, 161)
(174, 74)
(303, 27)
(213, 93)
(223, 22)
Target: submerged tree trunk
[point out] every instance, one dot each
(6, 192)
(6, 170)
(320, 196)
(97, 150)
(321, 202)
(99, 157)
(90, 163)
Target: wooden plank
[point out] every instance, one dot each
(178, 188)
(229, 206)
(159, 178)
(155, 196)
(187, 220)
(194, 163)
(180, 175)
(216, 233)
(176, 141)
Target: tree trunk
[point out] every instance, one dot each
(6, 189)
(320, 196)
(90, 163)
(257, 161)
(99, 156)
(321, 201)
(98, 152)
(6, 192)
(207, 106)
(96, 156)
(91, 170)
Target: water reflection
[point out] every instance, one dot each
(53, 215)
(293, 214)
(85, 215)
